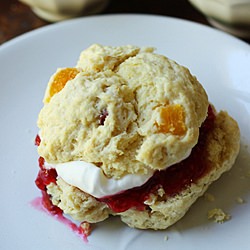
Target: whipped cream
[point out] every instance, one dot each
(91, 179)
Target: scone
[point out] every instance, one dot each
(130, 133)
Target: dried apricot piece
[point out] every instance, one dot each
(172, 120)
(60, 80)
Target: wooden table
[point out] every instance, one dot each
(17, 18)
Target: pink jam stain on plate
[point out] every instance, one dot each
(37, 203)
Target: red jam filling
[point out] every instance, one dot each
(37, 140)
(173, 180)
(45, 176)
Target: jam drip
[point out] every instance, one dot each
(173, 179)
(44, 178)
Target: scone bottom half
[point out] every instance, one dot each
(129, 111)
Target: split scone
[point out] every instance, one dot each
(131, 133)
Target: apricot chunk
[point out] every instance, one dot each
(172, 120)
(60, 80)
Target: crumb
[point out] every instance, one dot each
(86, 228)
(240, 200)
(161, 192)
(218, 215)
(166, 237)
(209, 197)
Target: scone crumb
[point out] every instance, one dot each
(218, 215)
(240, 200)
(86, 228)
(161, 192)
(209, 197)
(166, 237)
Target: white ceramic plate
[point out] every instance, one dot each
(221, 63)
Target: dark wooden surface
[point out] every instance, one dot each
(17, 18)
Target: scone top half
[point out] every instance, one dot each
(125, 109)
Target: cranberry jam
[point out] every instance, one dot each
(173, 180)
(44, 178)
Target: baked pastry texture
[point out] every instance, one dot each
(130, 111)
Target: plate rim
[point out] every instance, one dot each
(22, 37)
